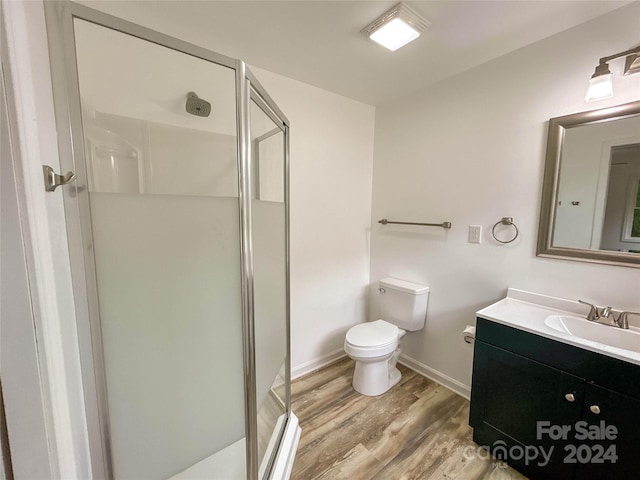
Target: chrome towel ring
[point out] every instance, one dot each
(505, 221)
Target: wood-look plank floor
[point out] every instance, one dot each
(417, 430)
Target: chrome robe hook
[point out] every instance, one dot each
(52, 180)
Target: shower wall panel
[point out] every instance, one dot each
(176, 152)
(158, 158)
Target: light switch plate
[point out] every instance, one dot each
(475, 233)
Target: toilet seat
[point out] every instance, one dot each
(376, 334)
(371, 340)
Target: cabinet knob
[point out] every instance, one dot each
(570, 397)
(595, 409)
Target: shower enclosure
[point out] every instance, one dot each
(178, 236)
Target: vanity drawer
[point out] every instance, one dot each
(609, 372)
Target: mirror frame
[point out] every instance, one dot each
(555, 140)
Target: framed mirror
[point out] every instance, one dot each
(591, 193)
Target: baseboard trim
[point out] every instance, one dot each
(439, 377)
(418, 367)
(312, 365)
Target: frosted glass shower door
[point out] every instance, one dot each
(164, 238)
(270, 276)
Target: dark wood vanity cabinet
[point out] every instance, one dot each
(552, 410)
(510, 394)
(623, 412)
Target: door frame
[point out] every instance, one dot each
(51, 357)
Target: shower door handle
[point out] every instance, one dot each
(52, 180)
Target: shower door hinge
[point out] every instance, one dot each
(52, 180)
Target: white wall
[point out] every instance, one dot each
(471, 150)
(331, 174)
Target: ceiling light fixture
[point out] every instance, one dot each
(601, 83)
(396, 27)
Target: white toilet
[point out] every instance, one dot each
(375, 346)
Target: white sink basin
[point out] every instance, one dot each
(607, 335)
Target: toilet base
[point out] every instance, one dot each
(394, 377)
(375, 378)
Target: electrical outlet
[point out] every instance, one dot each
(475, 233)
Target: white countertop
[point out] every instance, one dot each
(527, 311)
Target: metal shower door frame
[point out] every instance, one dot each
(66, 91)
(250, 89)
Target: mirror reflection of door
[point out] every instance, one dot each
(621, 226)
(597, 201)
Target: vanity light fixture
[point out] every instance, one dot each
(601, 82)
(396, 27)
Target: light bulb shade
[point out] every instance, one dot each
(632, 64)
(396, 27)
(394, 34)
(600, 87)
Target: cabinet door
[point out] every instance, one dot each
(513, 397)
(619, 457)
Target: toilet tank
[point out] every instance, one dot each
(403, 303)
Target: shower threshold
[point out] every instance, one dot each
(229, 463)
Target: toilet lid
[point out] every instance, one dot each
(372, 334)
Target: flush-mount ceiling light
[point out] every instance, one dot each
(601, 83)
(396, 27)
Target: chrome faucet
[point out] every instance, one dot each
(623, 319)
(594, 312)
(606, 312)
(597, 314)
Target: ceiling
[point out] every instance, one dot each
(319, 42)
